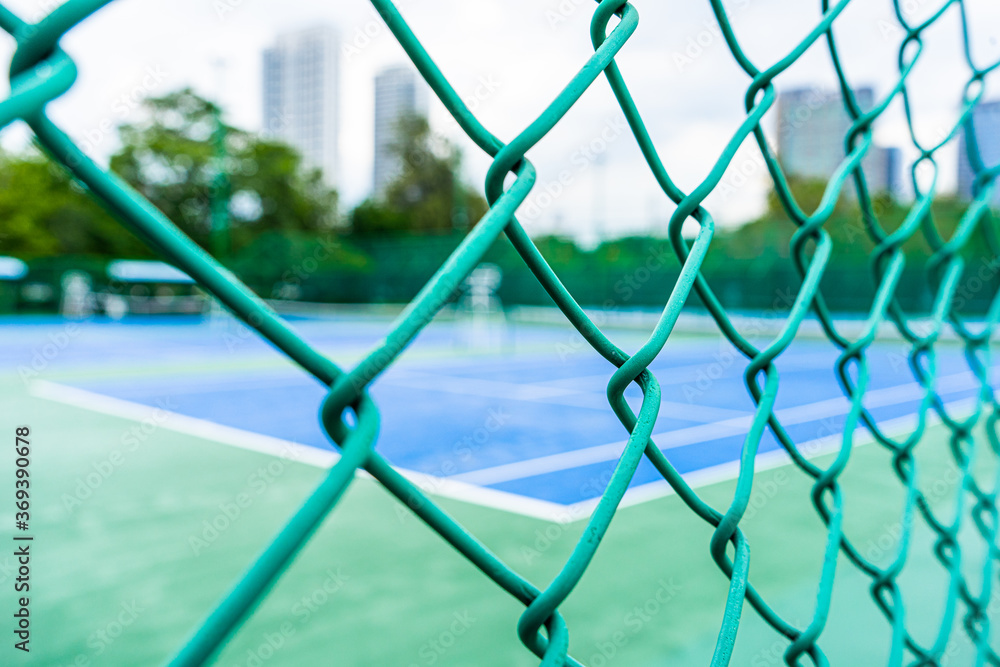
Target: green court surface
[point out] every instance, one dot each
(123, 576)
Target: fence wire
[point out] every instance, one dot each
(40, 72)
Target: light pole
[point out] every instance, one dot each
(219, 199)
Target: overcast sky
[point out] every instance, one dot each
(510, 58)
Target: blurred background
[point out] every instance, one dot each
(300, 146)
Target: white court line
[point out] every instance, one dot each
(691, 412)
(671, 375)
(705, 432)
(312, 456)
(542, 393)
(476, 386)
(207, 386)
(775, 458)
(450, 487)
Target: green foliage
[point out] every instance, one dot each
(170, 159)
(291, 264)
(427, 196)
(45, 213)
(285, 238)
(768, 237)
(808, 193)
(371, 218)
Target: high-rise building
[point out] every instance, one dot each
(986, 121)
(399, 91)
(882, 166)
(301, 81)
(812, 129)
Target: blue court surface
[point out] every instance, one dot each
(522, 422)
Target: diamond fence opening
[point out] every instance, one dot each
(40, 72)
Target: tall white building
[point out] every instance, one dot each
(399, 91)
(301, 94)
(812, 127)
(986, 121)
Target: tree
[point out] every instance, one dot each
(427, 196)
(171, 160)
(46, 213)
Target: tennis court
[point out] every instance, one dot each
(526, 426)
(622, 298)
(144, 426)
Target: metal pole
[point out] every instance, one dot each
(220, 241)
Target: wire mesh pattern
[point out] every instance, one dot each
(40, 71)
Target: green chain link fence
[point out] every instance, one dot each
(40, 71)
